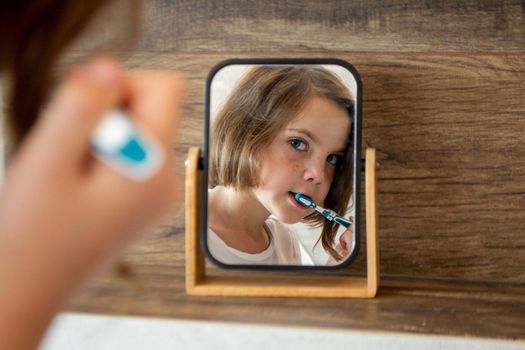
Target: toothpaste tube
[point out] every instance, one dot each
(120, 144)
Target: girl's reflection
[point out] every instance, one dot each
(284, 130)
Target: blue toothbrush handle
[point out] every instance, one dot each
(332, 216)
(342, 221)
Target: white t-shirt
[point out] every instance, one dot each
(283, 248)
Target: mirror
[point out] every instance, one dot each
(282, 162)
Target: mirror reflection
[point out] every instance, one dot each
(280, 165)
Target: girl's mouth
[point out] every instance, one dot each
(291, 196)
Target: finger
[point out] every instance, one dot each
(342, 241)
(76, 108)
(155, 101)
(346, 239)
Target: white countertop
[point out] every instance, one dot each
(74, 331)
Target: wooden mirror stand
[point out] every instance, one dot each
(291, 284)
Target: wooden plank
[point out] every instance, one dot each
(451, 189)
(402, 305)
(449, 132)
(328, 25)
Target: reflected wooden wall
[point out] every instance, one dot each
(443, 102)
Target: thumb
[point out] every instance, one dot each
(342, 241)
(77, 106)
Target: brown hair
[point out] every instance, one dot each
(264, 101)
(32, 36)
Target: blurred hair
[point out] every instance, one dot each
(33, 34)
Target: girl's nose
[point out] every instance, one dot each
(315, 170)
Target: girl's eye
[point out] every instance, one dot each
(298, 144)
(333, 159)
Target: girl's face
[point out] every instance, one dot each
(302, 159)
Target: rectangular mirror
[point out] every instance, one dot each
(282, 164)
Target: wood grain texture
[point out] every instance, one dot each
(155, 287)
(449, 132)
(402, 305)
(444, 105)
(453, 162)
(284, 25)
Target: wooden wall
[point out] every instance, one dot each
(444, 104)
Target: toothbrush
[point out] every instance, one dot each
(327, 213)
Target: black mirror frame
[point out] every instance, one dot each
(357, 160)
